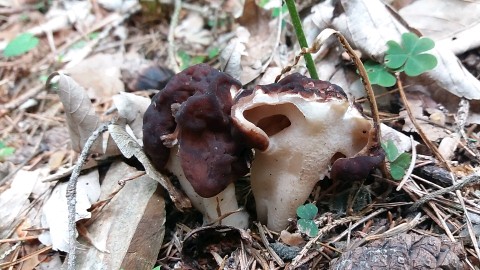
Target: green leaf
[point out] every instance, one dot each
(157, 267)
(395, 56)
(307, 211)
(20, 45)
(276, 11)
(379, 74)
(308, 227)
(410, 56)
(400, 165)
(5, 151)
(419, 64)
(212, 52)
(391, 150)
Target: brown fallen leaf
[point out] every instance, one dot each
(130, 228)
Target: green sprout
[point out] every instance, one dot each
(305, 223)
(410, 57)
(399, 162)
(5, 151)
(187, 60)
(21, 44)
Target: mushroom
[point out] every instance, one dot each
(187, 131)
(298, 127)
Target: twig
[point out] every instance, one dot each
(297, 25)
(171, 36)
(325, 229)
(404, 227)
(267, 246)
(358, 223)
(419, 129)
(72, 193)
(410, 168)
(469, 180)
(12, 105)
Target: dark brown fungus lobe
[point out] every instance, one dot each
(355, 168)
(195, 108)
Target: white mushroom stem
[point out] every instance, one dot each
(304, 137)
(214, 207)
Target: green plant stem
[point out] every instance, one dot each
(297, 25)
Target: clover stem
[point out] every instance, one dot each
(297, 25)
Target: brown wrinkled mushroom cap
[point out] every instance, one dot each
(194, 108)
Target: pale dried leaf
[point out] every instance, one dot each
(231, 56)
(432, 131)
(100, 75)
(55, 210)
(376, 26)
(132, 107)
(81, 117)
(401, 141)
(453, 23)
(129, 148)
(15, 200)
(191, 31)
(448, 146)
(136, 211)
(63, 16)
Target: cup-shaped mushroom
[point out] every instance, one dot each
(297, 126)
(192, 114)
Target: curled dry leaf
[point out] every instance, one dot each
(81, 117)
(132, 107)
(55, 212)
(129, 148)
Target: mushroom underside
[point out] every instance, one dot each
(304, 139)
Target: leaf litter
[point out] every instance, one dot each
(123, 212)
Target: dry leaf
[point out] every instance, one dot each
(191, 31)
(130, 227)
(63, 16)
(100, 75)
(55, 210)
(129, 148)
(231, 56)
(452, 23)
(449, 75)
(432, 131)
(15, 200)
(132, 107)
(81, 117)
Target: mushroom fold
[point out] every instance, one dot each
(299, 127)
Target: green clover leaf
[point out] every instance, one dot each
(400, 165)
(379, 74)
(410, 55)
(308, 227)
(307, 211)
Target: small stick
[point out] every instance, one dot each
(171, 36)
(469, 180)
(277, 259)
(419, 129)
(410, 168)
(72, 193)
